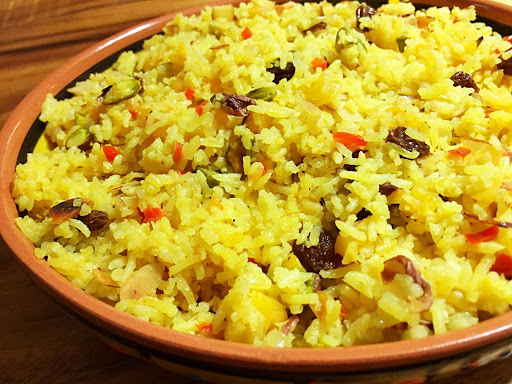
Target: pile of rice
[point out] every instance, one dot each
(220, 262)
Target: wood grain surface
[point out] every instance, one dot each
(38, 342)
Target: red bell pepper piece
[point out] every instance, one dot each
(110, 152)
(343, 312)
(199, 108)
(350, 140)
(152, 214)
(503, 265)
(461, 152)
(205, 328)
(264, 171)
(189, 94)
(178, 153)
(246, 33)
(320, 62)
(486, 235)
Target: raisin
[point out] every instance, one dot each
(94, 220)
(402, 326)
(399, 137)
(350, 167)
(464, 80)
(363, 214)
(282, 73)
(319, 257)
(356, 153)
(387, 189)
(506, 65)
(236, 105)
(364, 11)
(317, 27)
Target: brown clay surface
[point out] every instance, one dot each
(38, 342)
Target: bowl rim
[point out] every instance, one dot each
(213, 351)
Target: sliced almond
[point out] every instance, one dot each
(142, 283)
(104, 278)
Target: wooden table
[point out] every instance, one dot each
(38, 342)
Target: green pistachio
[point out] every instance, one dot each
(346, 38)
(125, 89)
(211, 177)
(81, 138)
(265, 93)
(401, 42)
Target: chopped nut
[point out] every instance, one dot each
(317, 27)
(104, 278)
(290, 325)
(501, 224)
(235, 155)
(402, 265)
(141, 283)
(67, 209)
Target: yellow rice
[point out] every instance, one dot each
(194, 263)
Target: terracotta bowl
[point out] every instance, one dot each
(412, 361)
